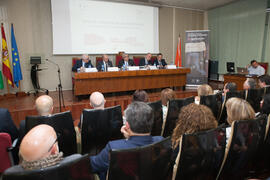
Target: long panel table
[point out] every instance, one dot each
(106, 82)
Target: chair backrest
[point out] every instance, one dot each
(74, 167)
(137, 59)
(74, 59)
(117, 59)
(158, 118)
(174, 108)
(261, 155)
(151, 162)
(214, 102)
(98, 59)
(99, 126)
(5, 143)
(64, 127)
(200, 155)
(264, 65)
(223, 112)
(254, 97)
(153, 58)
(241, 149)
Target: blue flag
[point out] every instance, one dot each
(17, 73)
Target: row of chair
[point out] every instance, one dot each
(100, 126)
(202, 155)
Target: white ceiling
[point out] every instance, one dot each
(191, 4)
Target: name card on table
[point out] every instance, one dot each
(110, 69)
(171, 66)
(133, 68)
(91, 70)
(153, 67)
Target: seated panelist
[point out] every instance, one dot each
(159, 61)
(104, 64)
(125, 61)
(85, 62)
(255, 69)
(146, 60)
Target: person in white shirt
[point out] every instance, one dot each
(166, 95)
(237, 109)
(255, 69)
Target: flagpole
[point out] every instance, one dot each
(9, 95)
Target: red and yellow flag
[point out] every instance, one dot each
(178, 58)
(6, 65)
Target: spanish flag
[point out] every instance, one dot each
(6, 65)
(178, 58)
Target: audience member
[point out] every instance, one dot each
(192, 118)
(7, 125)
(160, 62)
(264, 81)
(83, 63)
(250, 83)
(203, 90)
(140, 95)
(166, 95)
(139, 121)
(44, 107)
(39, 148)
(125, 62)
(97, 100)
(255, 69)
(146, 60)
(229, 87)
(104, 64)
(238, 109)
(265, 105)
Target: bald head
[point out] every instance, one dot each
(97, 100)
(44, 105)
(38, 143)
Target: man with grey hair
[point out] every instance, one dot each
(97, 100)
(137, 129)
(44, 105)
(250, 83)
(83, 63)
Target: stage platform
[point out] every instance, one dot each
(20, 107)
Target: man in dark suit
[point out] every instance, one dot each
(104, 64)
(7, 124)
(137, 128)
(146, 60)
(125, 61)
(85, 62)
(161, 63)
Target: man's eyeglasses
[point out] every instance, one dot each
(57, 136)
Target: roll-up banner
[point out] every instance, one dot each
(196, 57)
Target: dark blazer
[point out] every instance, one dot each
(78, 64)
(7, 125)
(142, 62)
(163, 62)
(130, 63)
(100, 163)
(100, 63)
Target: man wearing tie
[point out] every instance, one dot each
(125, 62)
(159, 61)
(104, 64)
(146, 60)
(83, 63)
